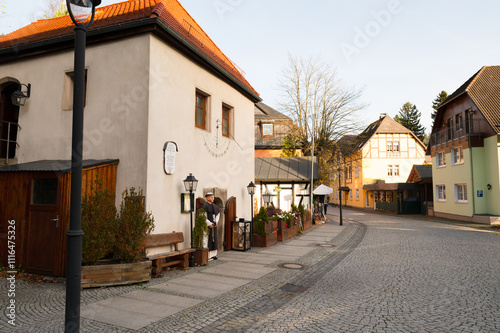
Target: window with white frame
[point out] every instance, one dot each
(395, 146)
(440, 159)
(460, 192)
(356, 171)
(393, 170)
(336, 195)
(267, 129)
(457, 155)
(441, 192)
(350, 195)
(357, 194)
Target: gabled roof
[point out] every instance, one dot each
(284, 169)
(169, 13)
(265, 112)
(420, 174)
(484, 90)
(384, 124)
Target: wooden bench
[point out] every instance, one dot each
(176, 258)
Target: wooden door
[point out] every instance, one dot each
(43, 240)
(229, 217)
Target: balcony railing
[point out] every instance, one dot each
(459, 130)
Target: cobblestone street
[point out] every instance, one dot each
(379, 273)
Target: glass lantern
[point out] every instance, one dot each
(242, 231)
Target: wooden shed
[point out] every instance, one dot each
(36, 195)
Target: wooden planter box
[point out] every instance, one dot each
(293, 230)
(201, 257)
(282, 231)
(271, 226)
(115, 274)
(306, 222)
(264, 241)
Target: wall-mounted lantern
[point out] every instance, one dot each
(19, 97)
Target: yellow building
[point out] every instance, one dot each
(376, 164)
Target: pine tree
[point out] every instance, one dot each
(409, 117)
(440, 98)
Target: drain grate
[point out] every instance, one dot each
(293, 288)
(326, 245)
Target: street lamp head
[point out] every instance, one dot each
(251, 188)
(81, 10)
(268, 197)
(190, 183)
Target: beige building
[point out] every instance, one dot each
(153, 77)
(375, 163)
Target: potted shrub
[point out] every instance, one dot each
(129, 229)
(260, 237)
(200, 232)
(97, 221)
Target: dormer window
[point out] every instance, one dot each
(267, 129)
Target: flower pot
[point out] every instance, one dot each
(264, 241)
(115, 274)
(201, 257)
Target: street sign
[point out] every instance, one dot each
(479, 194)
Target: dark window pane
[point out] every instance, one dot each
(44, 191)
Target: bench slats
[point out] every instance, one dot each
(164, 239)
(180, 258)
(169, 254)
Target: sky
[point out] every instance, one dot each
(396, 51)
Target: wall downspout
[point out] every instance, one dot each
(472, 166)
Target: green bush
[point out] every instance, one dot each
(98, 220)
(200, 229)
(132, 226)
(259, 222)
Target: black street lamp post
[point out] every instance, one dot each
(340, 196)
(190, 184)
(251, 190)
(80, 11)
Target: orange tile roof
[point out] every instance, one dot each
(171, 12)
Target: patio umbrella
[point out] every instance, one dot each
(322, 190)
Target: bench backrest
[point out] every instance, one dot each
(171, 238)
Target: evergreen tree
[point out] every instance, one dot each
(437, 102)
(409, 117)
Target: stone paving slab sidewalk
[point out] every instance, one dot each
(174, 300)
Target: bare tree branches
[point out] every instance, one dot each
(318, 102)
